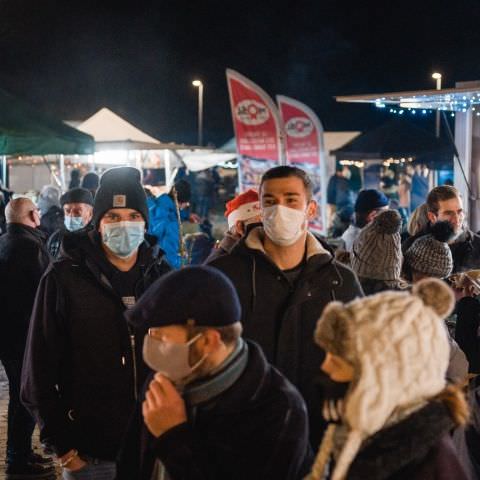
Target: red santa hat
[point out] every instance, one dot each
(242, 207)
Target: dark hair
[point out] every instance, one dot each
(286, 171)
(440, 194)
(183, 191)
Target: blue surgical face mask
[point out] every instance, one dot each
(72, 224)
(123, 238)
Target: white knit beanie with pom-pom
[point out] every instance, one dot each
(398, 346)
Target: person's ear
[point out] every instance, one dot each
(240, 227)
(312, 209)
(371, 215)
(431, 217)
(212, 340)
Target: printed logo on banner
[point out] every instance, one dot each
(299, 127)
(251, 112)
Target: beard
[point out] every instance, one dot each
(457, 234)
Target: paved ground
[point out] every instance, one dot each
(3, 423)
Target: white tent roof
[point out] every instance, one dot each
(201, 160)
(112, 132)
(334, 140)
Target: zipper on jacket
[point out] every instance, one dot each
(134, 358)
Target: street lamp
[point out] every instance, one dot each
(198, 84)
(438, 77)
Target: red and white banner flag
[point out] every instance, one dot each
(305, 148)
(257, 127)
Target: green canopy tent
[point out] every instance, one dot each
(27, 131)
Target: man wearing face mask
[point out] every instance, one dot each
(77, 206)
(284, 278)
(214, 409)
(82, 367)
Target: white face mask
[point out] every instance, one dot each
(123, 238)
(169, 358)
(284, 225)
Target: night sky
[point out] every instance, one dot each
(138, 58)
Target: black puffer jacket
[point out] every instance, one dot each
(23, 260)
(80, 365)
(255, 429)
(280, 316)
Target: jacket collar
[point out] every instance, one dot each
(255, 240)
(394, 447)
(228, 241)
(35, 233)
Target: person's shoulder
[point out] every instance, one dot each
(274, 382)
(164, 200)
(20, 243)
(237, 256)
(474, 237)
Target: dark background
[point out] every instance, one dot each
(138, 58)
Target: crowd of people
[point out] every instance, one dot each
(282, 356)
(405, 189)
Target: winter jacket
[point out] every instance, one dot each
(465, 251)
(255, 429)
(282, 316)
(418, 447)
(339, 192)
(23, 260)
(467, 330)
(54, 242)
(82, 358)
(225, 246)
(164, 226)
(52, 220)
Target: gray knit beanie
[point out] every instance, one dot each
(377, 252)
(430, 254)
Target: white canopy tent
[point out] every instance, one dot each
(118, 141)
(112, 132)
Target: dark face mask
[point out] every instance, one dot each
(251, 226)
(331, 395)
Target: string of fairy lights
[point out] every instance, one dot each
(425, 105)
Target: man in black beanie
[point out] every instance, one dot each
(212, 406)
(77, 205)
(82, 365)
(368, 205)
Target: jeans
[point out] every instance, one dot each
(20, 423)
(94, 470)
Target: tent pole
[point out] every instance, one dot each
(168, 169)
(62, 171)
(4, 171)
